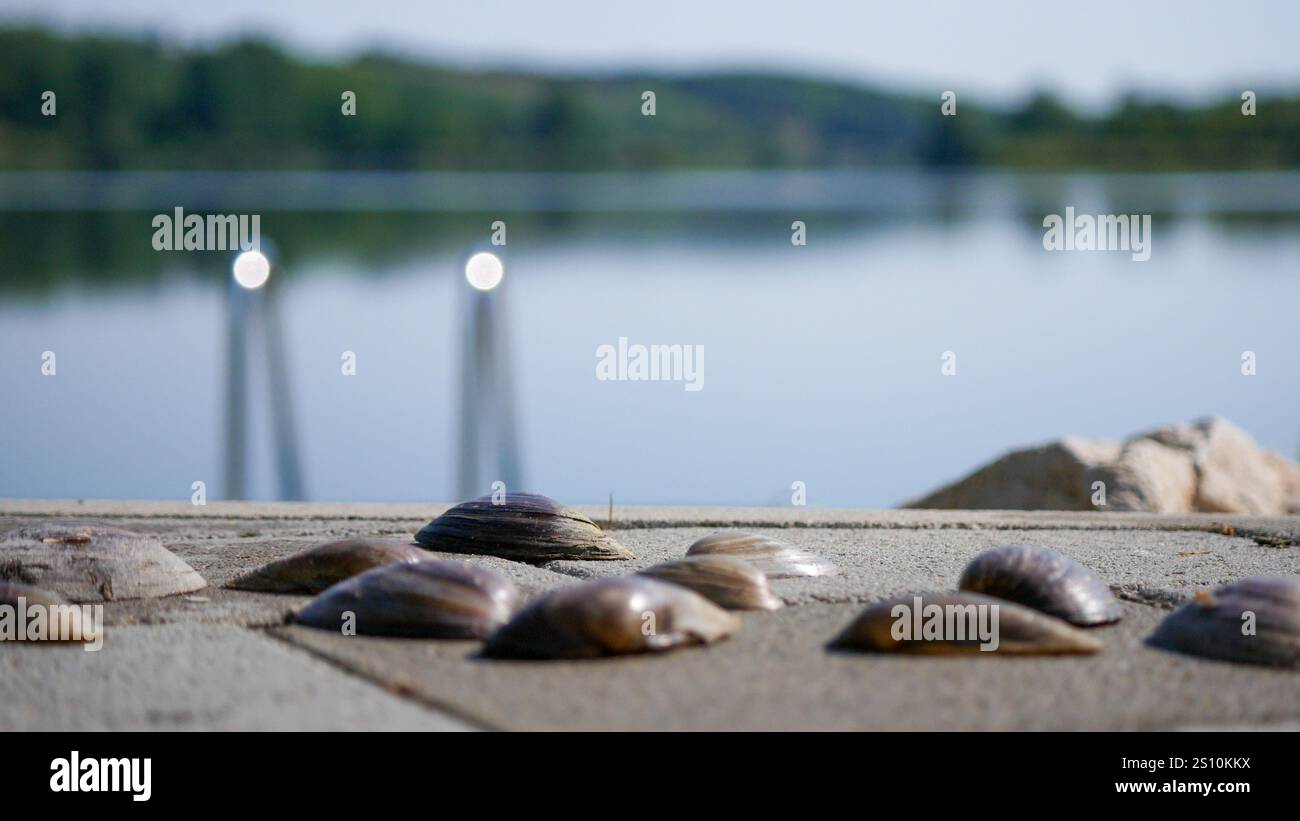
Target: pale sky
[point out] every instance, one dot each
(995, 50)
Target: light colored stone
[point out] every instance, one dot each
(1233, 473)
(1237, 476)
(1056, 476)
(1208, 466)
(1148, 476)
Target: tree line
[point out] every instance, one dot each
(124, 102)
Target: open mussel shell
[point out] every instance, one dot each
(961, 623)
(776, 559)
(523, 527)
(432, 599)
(62, 620)
(611, 616)
(1253, 621)
(730, 583)
(92, 563)
(1043, 579)
(316, 568)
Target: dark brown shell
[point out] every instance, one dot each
(432, 599)
(71, 624)
(316, 568)
(524, 527)
(1043, 579)
(1020, 630)
(776, 559)
(91, 563)
(1212, 624)
(730, 583)
(611, 616)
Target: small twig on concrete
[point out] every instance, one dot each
(1274, 541)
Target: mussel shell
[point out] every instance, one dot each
(70, 624)
(1211, 625)
(730, 583)
(611, 616)
(437, 599)
(91, 563)
(10, 592)
(1020, 630)
(316, 568)
(1043, 579)
(776, 559)
(524, 527)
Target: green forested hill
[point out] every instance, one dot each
(139, 103)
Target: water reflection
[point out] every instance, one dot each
(823, 359)
(253, 314)
(487, 438)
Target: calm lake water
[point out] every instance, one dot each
(822, 363)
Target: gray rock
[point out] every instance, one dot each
(1207, 466)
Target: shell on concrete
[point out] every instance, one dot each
(316, 568)
(521, 526)
(611, 616)
(68, 622)
(11, 592)
(730, 583)
(1043, 579)
(776, 559)
(892, 626)
(1253, 621)
(436, 599)
(89, 563)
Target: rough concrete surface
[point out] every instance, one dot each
(875, 563)
(192, 677)
(225, 659)
(392, 519)
(776, 674)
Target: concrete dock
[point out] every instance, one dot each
(223, 659)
